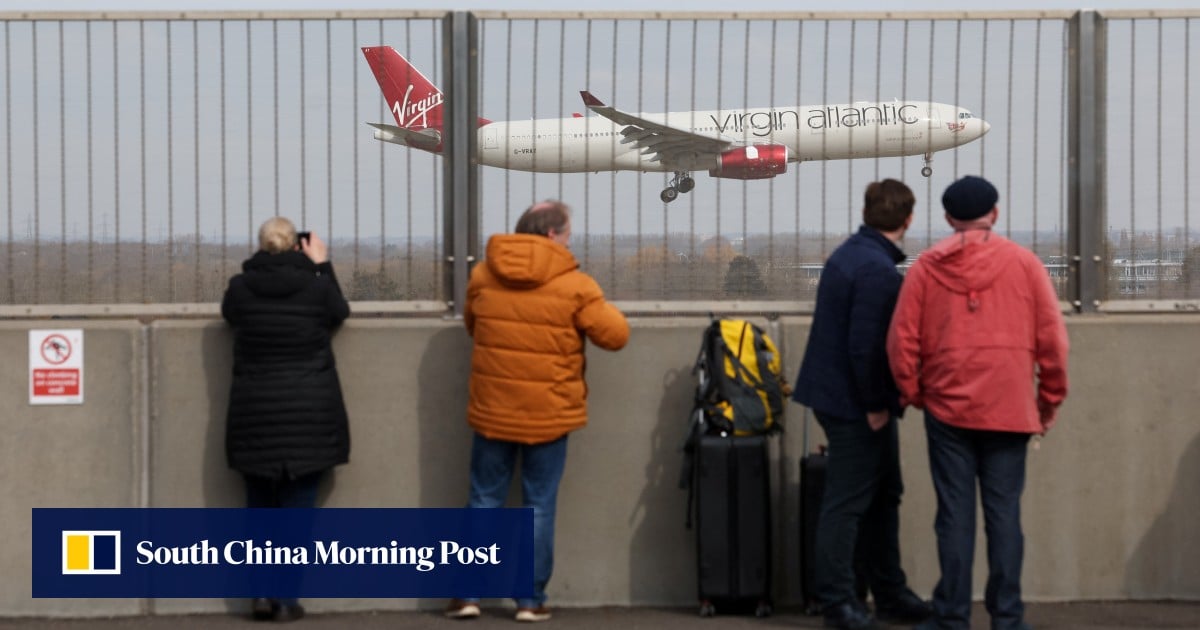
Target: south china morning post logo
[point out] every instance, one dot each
(327, 552)
(91, 552)
(320, 552)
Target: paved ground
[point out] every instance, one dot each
(1100, 615)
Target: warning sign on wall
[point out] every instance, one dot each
(55, 367)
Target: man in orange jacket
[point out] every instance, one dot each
(976, 314)
(529, 309)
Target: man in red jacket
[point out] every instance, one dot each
(976, 314)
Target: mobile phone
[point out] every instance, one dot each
(302, 236)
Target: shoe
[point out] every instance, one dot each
(288, 612)
(908, 609)
(262, 609)
(848, 616)
(541, 613)
(459, 609)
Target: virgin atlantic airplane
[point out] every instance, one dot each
(730, 143)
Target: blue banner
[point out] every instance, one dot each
(327, 552)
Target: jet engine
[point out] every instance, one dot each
(757, 161)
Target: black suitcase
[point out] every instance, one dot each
(733, 524)
(812, 489)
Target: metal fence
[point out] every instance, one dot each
(143, 150)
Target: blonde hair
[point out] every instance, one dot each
(277, 235)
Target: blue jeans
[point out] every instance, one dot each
(300, 492)
(492, 465)
(957, 457)
(860, 513)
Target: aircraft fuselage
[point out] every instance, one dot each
(819, 132)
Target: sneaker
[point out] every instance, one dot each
(459, 609)
(541, 613)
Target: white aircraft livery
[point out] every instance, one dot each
(731, 143)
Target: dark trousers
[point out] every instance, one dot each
(860, 512)
(301, 492)
(957, 457)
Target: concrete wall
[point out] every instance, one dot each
(1109, 509)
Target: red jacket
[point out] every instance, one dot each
(529, 309)
(975, 314)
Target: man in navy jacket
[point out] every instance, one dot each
(846, 381)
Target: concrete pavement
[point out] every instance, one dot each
(1057, 616)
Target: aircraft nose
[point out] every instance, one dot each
(984, 127)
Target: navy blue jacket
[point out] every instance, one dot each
(845, 369)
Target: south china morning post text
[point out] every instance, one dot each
(329, 552)
(250, 552)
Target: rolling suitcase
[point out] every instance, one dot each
(733, 524)
(812, 489)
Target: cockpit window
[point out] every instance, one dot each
(964, 115)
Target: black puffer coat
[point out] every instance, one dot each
(286, 414)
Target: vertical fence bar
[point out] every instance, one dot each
(36, 162)
(170, 175)
(1008, 136)
(142, 146)
(383, 110)
(197, 287)
(638, 257)
(277, 208)
(1086, 161)
(304, 133)
(250, 231)
(1037, 83)
(353, 54)
(461, 183)
(91, 247)
(224, 178)
(1158, 140)
(8, 201)
(62, 169)
(1187, 183)
(117, 166)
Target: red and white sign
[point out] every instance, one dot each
(56, 367)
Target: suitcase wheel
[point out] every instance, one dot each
(763, 610)
(707, 609)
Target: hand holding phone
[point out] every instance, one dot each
(313, 247)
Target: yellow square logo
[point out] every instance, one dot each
(91, 552)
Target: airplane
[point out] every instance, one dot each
(731, 143)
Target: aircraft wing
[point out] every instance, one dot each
(422, 138)
(672, 146)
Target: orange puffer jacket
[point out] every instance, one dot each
(529, 309)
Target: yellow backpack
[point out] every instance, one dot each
(741, 388)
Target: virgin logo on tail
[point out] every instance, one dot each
(416, 101)
(416, 115)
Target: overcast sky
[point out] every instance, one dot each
(690, 5)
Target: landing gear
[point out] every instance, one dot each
(927, 170)
(681, 183)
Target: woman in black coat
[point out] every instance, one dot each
(287, 422)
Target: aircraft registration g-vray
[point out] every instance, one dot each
(736, 144)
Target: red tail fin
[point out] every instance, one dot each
(414, 100)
